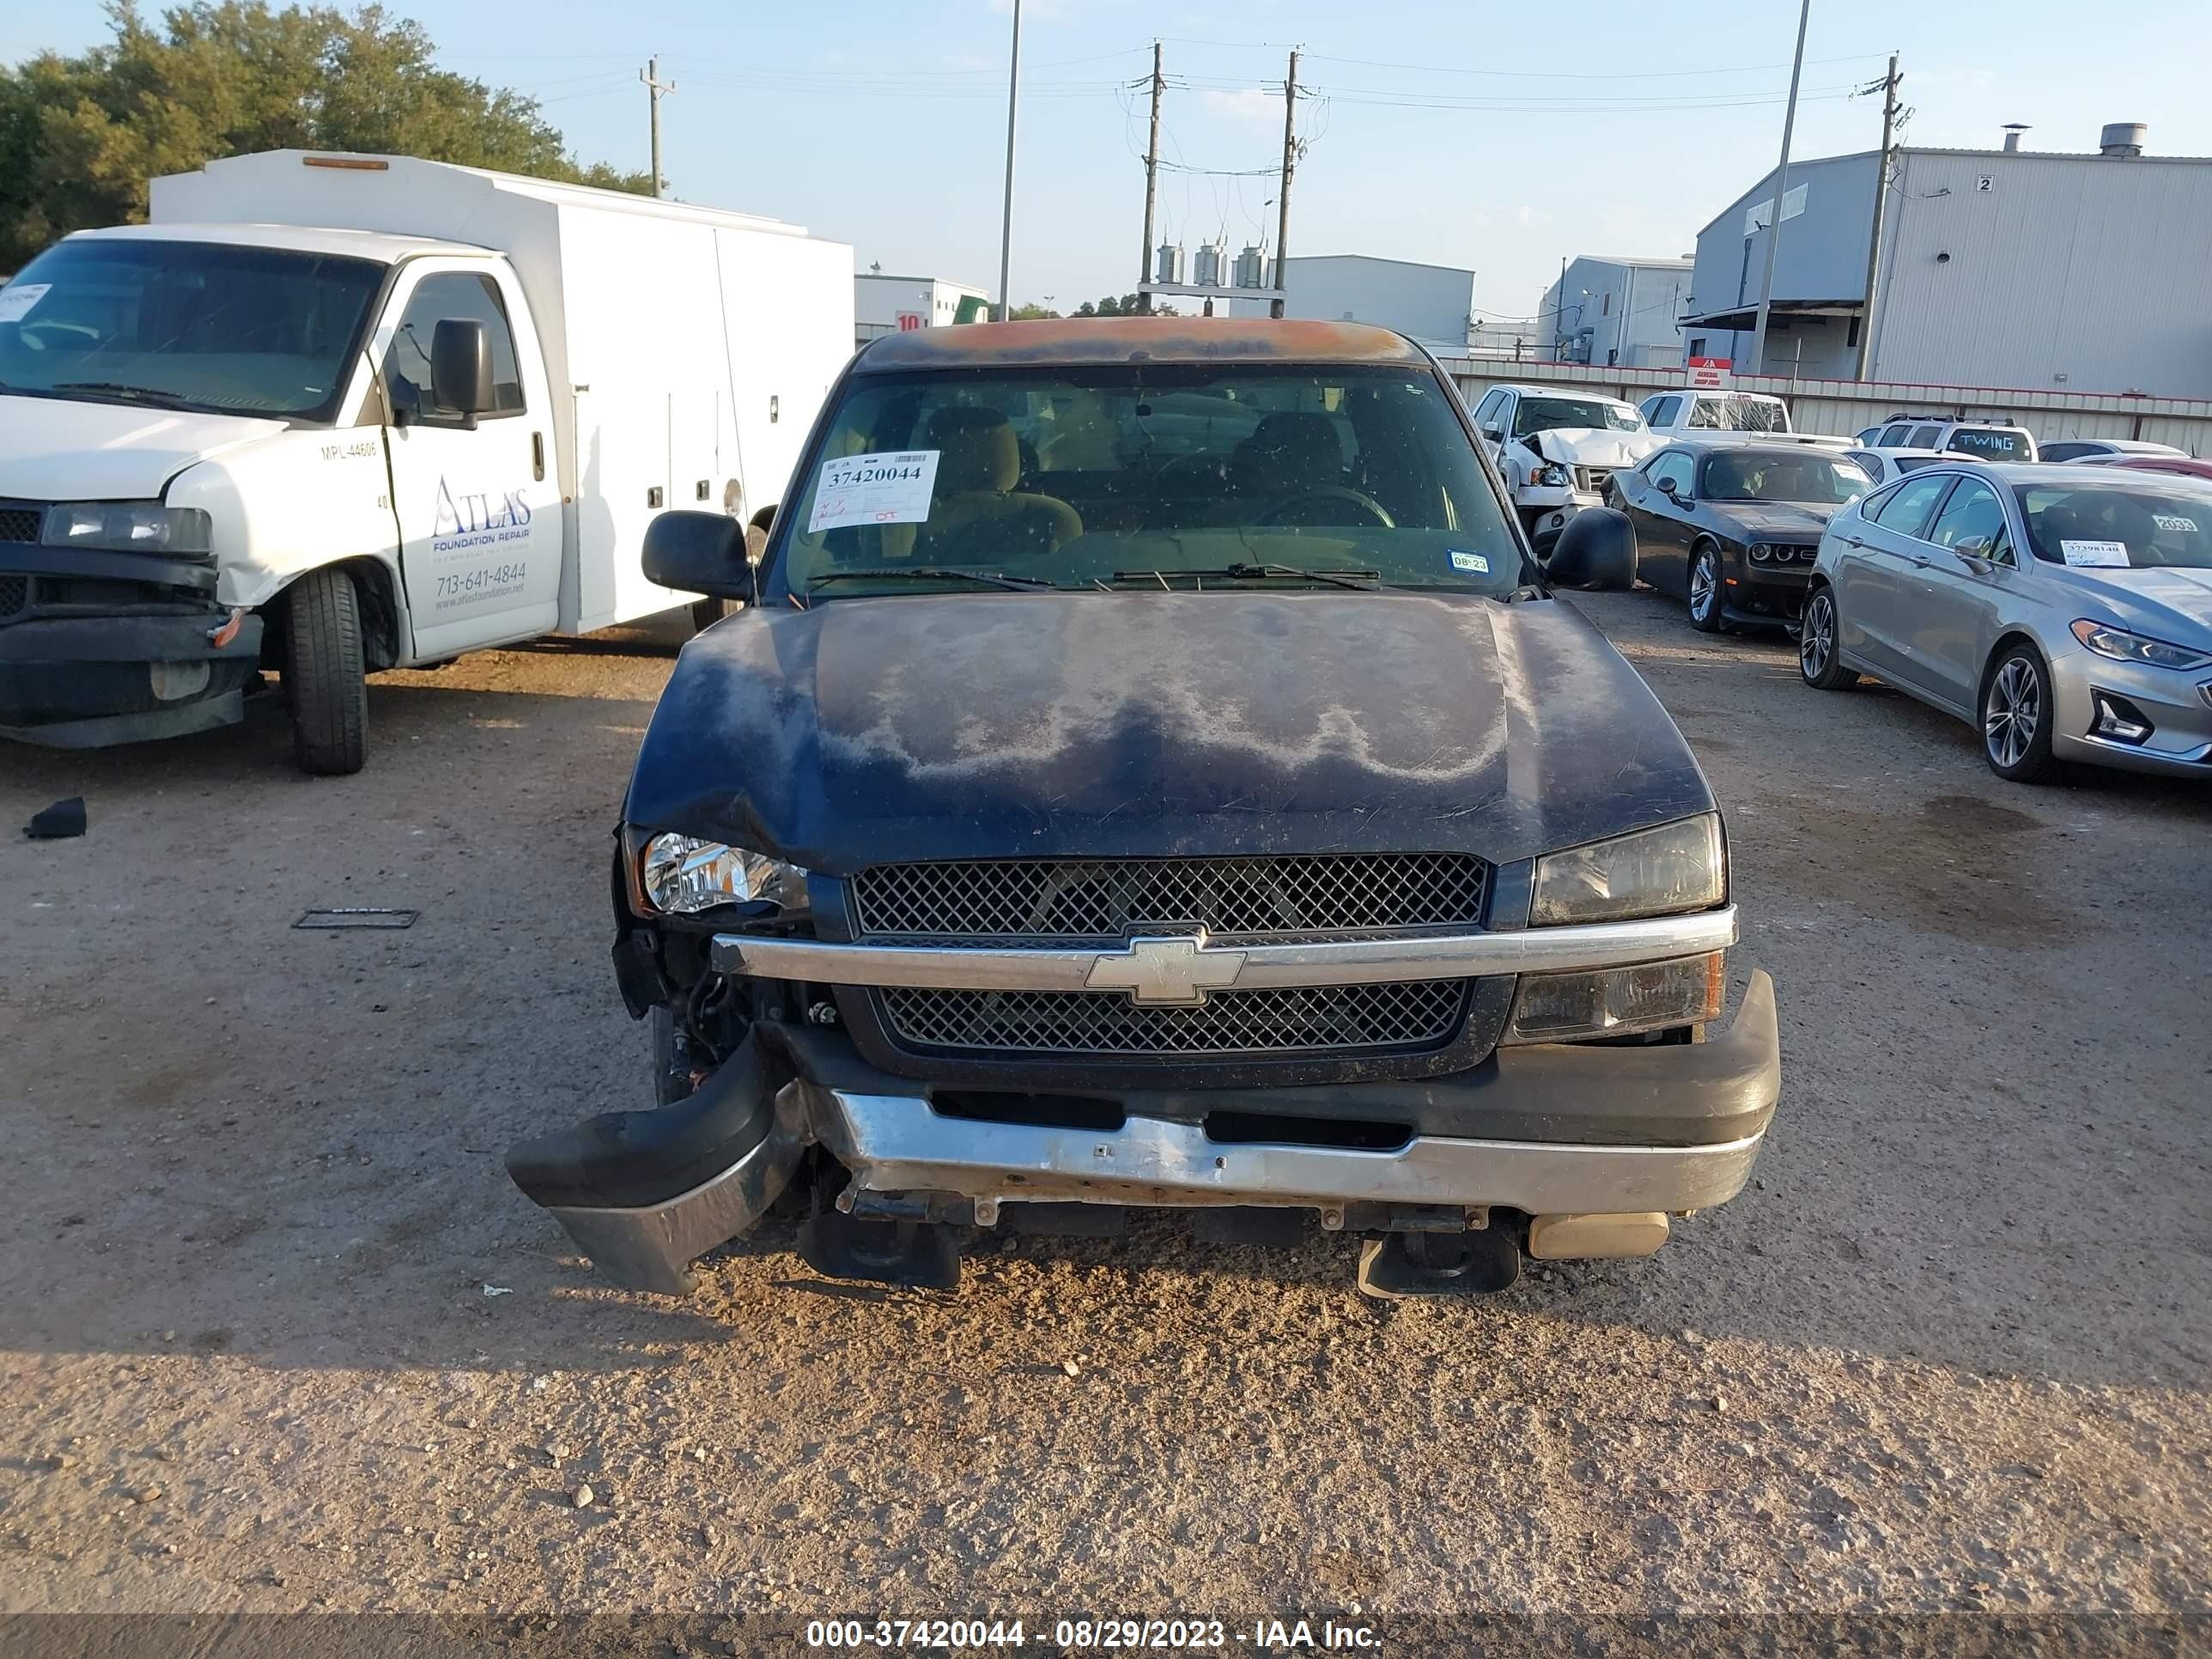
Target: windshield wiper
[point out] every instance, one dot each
(987, 578)
(115, 389)
(1363, 582)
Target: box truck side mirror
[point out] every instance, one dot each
(699, 553)
(461, 368)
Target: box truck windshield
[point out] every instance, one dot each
(214, 327)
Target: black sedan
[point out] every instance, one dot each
(1733, 528)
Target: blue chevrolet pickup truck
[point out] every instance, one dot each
(1149, 770)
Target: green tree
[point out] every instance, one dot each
(80, 136)
(1124, 306)
(1031, 312)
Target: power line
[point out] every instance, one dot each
(1586, 75)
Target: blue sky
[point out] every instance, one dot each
(1499, 136)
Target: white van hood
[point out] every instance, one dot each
(54, 450)
(1590, 446)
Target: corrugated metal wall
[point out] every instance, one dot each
(1844, 407)
(2062, 271)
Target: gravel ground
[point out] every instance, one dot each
(277, 1335)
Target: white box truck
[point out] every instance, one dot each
(331, 413)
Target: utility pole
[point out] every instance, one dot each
(1880, 209)
(1559, 310)
(1151, 186)
(655, 89)
(1283, 196)
(1006, 217)
(1781, 190)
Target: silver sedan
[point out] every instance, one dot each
(2066, 611)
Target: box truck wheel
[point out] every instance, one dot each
(325, 675)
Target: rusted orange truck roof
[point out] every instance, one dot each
(1133, 340)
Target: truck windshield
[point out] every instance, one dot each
(1794, 475)
(1565, 414)
(1078, 477)
(2103, 526)
(194, 326)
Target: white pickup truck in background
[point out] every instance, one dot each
(332, 413)
(1698, 411)
(1557, 448)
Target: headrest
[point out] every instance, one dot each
(976, 451)
(1295, 448)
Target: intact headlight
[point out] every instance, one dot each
(130, 527)
(1665, 872)
(680, 875)
(2123, 647)
(1618, 1001)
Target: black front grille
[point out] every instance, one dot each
(1047, 902)
(1337, 1018)
(19, 523)
(15, 595)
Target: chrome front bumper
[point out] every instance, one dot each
(905, 1157)
(899, 1143)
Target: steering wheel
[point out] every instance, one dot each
(1273, 512)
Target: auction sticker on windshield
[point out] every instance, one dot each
(15, 303)
(1473, 561)
(2094, 556)
(880, 489)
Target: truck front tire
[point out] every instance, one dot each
(326, 677)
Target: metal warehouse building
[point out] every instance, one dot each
(1435, 304)
(2031, 269)
(1617, 312)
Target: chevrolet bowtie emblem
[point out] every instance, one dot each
(1166, 973)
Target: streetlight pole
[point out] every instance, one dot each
(1781, 190)
(1006, 217)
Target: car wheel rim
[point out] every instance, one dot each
(2013, 711)
(1816, 639)
(1702, 584)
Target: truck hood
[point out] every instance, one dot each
(1134, 724)
(1590, 446)
(56, 450)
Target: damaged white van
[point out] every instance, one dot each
(329, 414)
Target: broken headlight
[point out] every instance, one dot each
(1552, 475)
(683, 876)
(1666, 872)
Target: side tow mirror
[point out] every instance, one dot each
(460, 367)
(1597, 549)
(700, 553)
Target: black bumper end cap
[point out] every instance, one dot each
(634, 1160)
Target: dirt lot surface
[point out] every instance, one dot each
(276, 1334)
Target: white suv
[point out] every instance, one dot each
(1980, 441)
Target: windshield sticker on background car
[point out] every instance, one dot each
(2174, 522)
(886, 488)
(2094, 556)
(1473, 561)
(15, 303)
